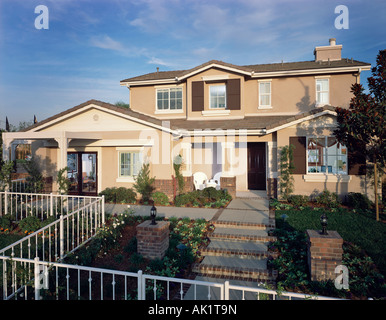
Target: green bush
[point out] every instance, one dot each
(119, 195)
(358, 201)
(160, 198)
(182, 200)
(29, 224)
(5, 222)
(328, 199)
(144, 184)
(298, 200)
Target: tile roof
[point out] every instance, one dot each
(257, 68)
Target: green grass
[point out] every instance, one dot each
(356, 228)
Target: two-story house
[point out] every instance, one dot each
(223, 119)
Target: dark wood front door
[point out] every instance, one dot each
(256, 166)
(82, 172)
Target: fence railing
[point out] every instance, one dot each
(32, 279)
(42, 205)
(64, 235)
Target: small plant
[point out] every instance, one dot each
(177, 163)
(63, 181)
(119, 195)
(5, 175)
(328, 199)
(298, 200)
(160, 198)
(35, 180)
(286, 182)
(144, 184)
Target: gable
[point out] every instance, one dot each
(93, 120)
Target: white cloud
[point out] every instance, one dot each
(105, 42)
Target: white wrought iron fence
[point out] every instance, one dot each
(20, 205)
(32, 279)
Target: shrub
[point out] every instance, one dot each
(358, 201)
(160, 198)
(144, 184)
(328, 199)
(5, 222)
(298, 200)
(29, 224)
(119, 195)
(182, 200)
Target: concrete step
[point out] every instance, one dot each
(238, 234)
(269, 225)
(240, 249)
(234, 268)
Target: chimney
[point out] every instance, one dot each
(332, 52)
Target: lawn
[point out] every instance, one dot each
(356, 228)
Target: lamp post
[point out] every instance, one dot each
(153, 214)
(323, 222)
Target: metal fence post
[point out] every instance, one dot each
(139, 279)
(51, 204)
(103, 210)
(61, 237)
(226, 290)
(37, 278)
(6, 202)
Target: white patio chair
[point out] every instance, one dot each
(216, 179)
(199, 180)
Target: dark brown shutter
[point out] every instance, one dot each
(300, 154)
(233, 94)
(356, 162)
(197, 95)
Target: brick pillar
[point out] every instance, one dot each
(153, 240)
(229, 183)
(324, 254)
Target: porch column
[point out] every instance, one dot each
(186, 148)
(272, 164)
(227, 156)
(63, 145)
(7, 143)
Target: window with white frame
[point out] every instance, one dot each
(129, 163)
(322, 92)
(265, 94)
(326, 155)
(169, 99)
(217, 95)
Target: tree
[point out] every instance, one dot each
(363, 123)
(144, 184)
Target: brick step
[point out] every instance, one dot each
(235, 234)
(243, 250)
(234, 268)
(245, 225)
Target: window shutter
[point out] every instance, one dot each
(233, 94)
(197, 95)
(300, 154)
(356, 162)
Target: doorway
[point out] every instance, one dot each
(256, 166)
(82, 172)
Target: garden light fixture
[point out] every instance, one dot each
(153, 213)
(323, 222)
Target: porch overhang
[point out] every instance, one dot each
(61, 137)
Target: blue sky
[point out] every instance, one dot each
(92, 44)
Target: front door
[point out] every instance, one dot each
(82, 172)
(256, 166)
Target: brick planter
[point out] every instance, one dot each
(153, 240)
(229, 183)
(324, 254)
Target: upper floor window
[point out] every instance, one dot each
(322, 92)
(217, 96)
(326, 155)
(265, 94)
(169, 99)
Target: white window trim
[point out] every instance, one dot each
(262, 107)
(220, 108)
(325, 176)
(120, 150)
(318, 104)
(163, 111)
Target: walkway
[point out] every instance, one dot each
(238, 249)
